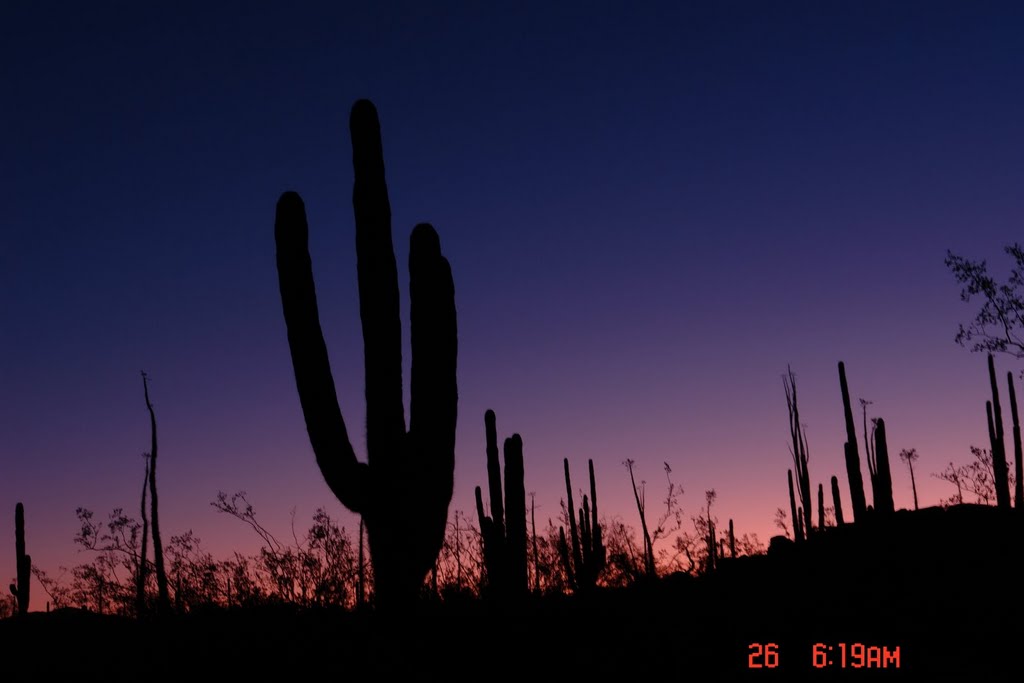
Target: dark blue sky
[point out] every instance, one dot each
(649, 212)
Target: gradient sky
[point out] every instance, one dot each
(649, 213)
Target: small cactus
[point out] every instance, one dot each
(20, 590)
(588, 555)
(504, 532)
(836, 502)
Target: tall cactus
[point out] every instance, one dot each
(1018, 488)
(404, 490)
(995, 417)
(588, 554)
(504, 532)
(836, 503)
(857, 500)
(881, 474)
(20, 590)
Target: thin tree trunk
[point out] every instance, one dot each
(140, 576)
(163, 596)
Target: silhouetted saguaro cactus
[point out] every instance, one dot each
(999, 466)
(836, 502)
(404, 490)
(821, 506)
(504, 532)
(857, 500)
(881, 474)
(20, 590)
(1018, 465)
(588, 553)
(732, 541)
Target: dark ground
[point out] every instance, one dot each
(944, 586)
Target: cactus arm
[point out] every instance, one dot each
(327, 434)
(577, 555)
(434, 341)
(515, 510)
(594, 524)
(378, 290)
(494, 471)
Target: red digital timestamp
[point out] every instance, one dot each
(830, 656)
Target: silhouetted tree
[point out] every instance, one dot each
(998, 326)
(798, 448)
(668, 523)
(140, 572)
(163, 595)
(797, 536)
(780, 519)
(404, 489)
(909, 457)
(977, 477)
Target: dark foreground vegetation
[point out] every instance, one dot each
(938, 583)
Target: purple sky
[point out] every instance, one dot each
(649, 214)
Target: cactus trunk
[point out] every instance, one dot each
(836, 502)
(20, 590)
(858, 502)
(732, 541)
(1018, 465)
(882, 488)
(588, 552)
(999, 465)
(821, 506)
(404, 490)
(504, 532)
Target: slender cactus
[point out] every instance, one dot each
(857, 499)
(732, 541)
(504, 532)
(1018, 488)
(999, 466)
(882, 474)
(404, 490)
(20, 590)
(163, 596)
(821, 506)
(836, 502)
(588, 553)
